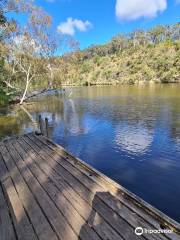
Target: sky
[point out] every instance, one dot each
(97, 21)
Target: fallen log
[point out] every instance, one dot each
(33, 94)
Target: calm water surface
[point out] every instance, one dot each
(131, 134)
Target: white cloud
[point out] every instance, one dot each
(134, 9)
(71, 25)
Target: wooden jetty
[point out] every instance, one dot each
(47, 194)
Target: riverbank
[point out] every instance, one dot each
(137, 83)
(5, 100)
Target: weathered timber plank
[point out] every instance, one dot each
(54, 216)
(123, 212)
(128, 215)
(143, 209)
(99, 205)
(65, 200)
(123, 226)
(35, 214)
(21, 222)
(56, 178)
(72, 216)
(3, 170)
(6, 228)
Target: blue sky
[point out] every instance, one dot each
(96, 21)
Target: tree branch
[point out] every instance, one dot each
(9, 85)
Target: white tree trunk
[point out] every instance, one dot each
(28, 79)
(51, 75)
(25, 91)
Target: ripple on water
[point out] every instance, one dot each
(135, 139)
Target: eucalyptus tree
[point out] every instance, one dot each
(118, 43)
(3, 34)
(30, 47)
(157, 34)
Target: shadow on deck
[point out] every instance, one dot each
(46, 193)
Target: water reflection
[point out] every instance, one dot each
(133, 139)
(71, 118)
(130, 134)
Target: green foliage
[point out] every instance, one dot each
(86, 67)
(151, 56)
(3, 97)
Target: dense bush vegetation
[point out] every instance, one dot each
(140, 57)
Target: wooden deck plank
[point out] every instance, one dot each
(100, 179)
(117, 206)
(110, 233)
(63, 204)
(131, 215)
(137, 205)
(3, 170)
(6, 227)
(73, 200)
(37, 218)
(21, 222)
(121, 226)
(127, 216)
(54, 216)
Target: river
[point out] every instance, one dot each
(130, 133)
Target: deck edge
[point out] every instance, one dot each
(138, 201)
